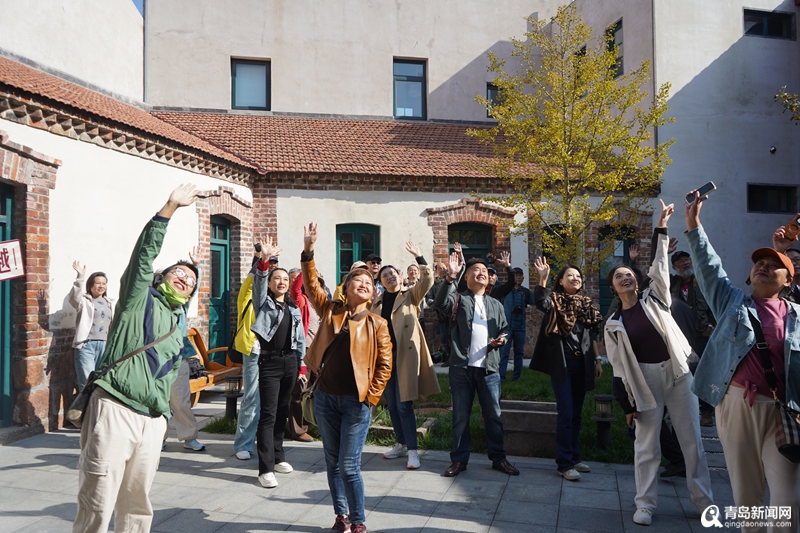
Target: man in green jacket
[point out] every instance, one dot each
(127, 414)
(477, 331)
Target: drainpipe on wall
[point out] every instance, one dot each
(655, 80)
(144, 51)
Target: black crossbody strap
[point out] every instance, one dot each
(138, 350)
(244, 312)
(763, 351)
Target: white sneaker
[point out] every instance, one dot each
(583, 468)
(268, 480)
(283, 468)
(244, 455)
(194, 445)
(413, 459)
(570, 475)
(398, 450)
(643, 517)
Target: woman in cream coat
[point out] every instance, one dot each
(413, 376)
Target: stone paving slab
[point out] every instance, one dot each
(211, 491)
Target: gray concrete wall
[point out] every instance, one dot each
(332, 57)
(723, 85)
(98, 41)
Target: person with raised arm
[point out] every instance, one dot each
(731, 376)
(279, 329)
(351, 357)
(126, 416)
(647, 349)
(95, 313)
(413, 376)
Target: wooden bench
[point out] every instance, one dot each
(216, 371)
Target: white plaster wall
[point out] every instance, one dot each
(401, 217)
(101, 202)
(99, 41)
(722, 97)
(334, 56)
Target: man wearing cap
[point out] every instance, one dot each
(374, 266)
(273, 263)
(515, 304)
(683, 286)
(731, 376)
(476, 335)
(782, 244)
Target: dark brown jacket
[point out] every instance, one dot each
(370, 342)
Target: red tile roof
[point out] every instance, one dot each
(53, 88)
(316, 145)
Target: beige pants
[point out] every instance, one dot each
(747, 435)
(180, 401)
(120, 450)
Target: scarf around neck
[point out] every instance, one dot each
(569, 309)
(172, 296)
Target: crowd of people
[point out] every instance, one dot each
(685, 345)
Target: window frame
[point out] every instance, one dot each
(423, 81)
(471, 249)
(612, 31)
(766, 16)
(236, 61)
(357, 229)
(489, 88)
(792, 189)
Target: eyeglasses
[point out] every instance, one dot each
(181, 273)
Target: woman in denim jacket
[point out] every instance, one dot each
(649, 352)
(730, 375)
(279, 330)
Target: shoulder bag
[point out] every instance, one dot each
(787, 420)
(76, 411)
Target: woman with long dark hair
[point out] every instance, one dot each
(279, 330)
(95, 312)
(352, 359)
(566, 350)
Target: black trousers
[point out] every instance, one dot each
(276, 380)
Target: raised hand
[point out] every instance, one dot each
(183, 196)
(543, 269)
(79, 268)
(673, 245)
(666, 212)
(309, 236)
(457, 248)
(413, 249)
(692, 210)
(781, 242)
(505, 258)
(194, 255)
(633, 252)
(454, 266)
(269, 248)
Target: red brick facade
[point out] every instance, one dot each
(41, 364)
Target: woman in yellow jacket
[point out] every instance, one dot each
(246, 344)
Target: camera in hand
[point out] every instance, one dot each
(518, 310)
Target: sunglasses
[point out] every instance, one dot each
(181, 273)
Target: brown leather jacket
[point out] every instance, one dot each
(370, 343)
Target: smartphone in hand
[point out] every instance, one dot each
(705, 190)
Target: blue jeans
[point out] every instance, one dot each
(343, 423)
(86, 359)
(569, 403)
(464, 383)
(518, 339)
(247, 422)
(404, 421)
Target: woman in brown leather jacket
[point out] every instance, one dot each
(354, 348)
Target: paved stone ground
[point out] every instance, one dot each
(199, 492)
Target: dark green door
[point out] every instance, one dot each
(622, 245)
(6, 196)
(354, 242)
(219, 305)
(475, 239)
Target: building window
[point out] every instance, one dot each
(354, 242)
(615, 31)
(409, 89)
(250, 84)
(621, 244)
(493, 95)
(769, 24)
(475, 239)
(771, 199)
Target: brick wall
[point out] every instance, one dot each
(41, 360)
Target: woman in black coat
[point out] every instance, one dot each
(566, 350)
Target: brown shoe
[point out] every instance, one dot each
(455, 469)
(305, 437)
(506, 468)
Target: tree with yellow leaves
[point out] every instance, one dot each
(572, 137)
